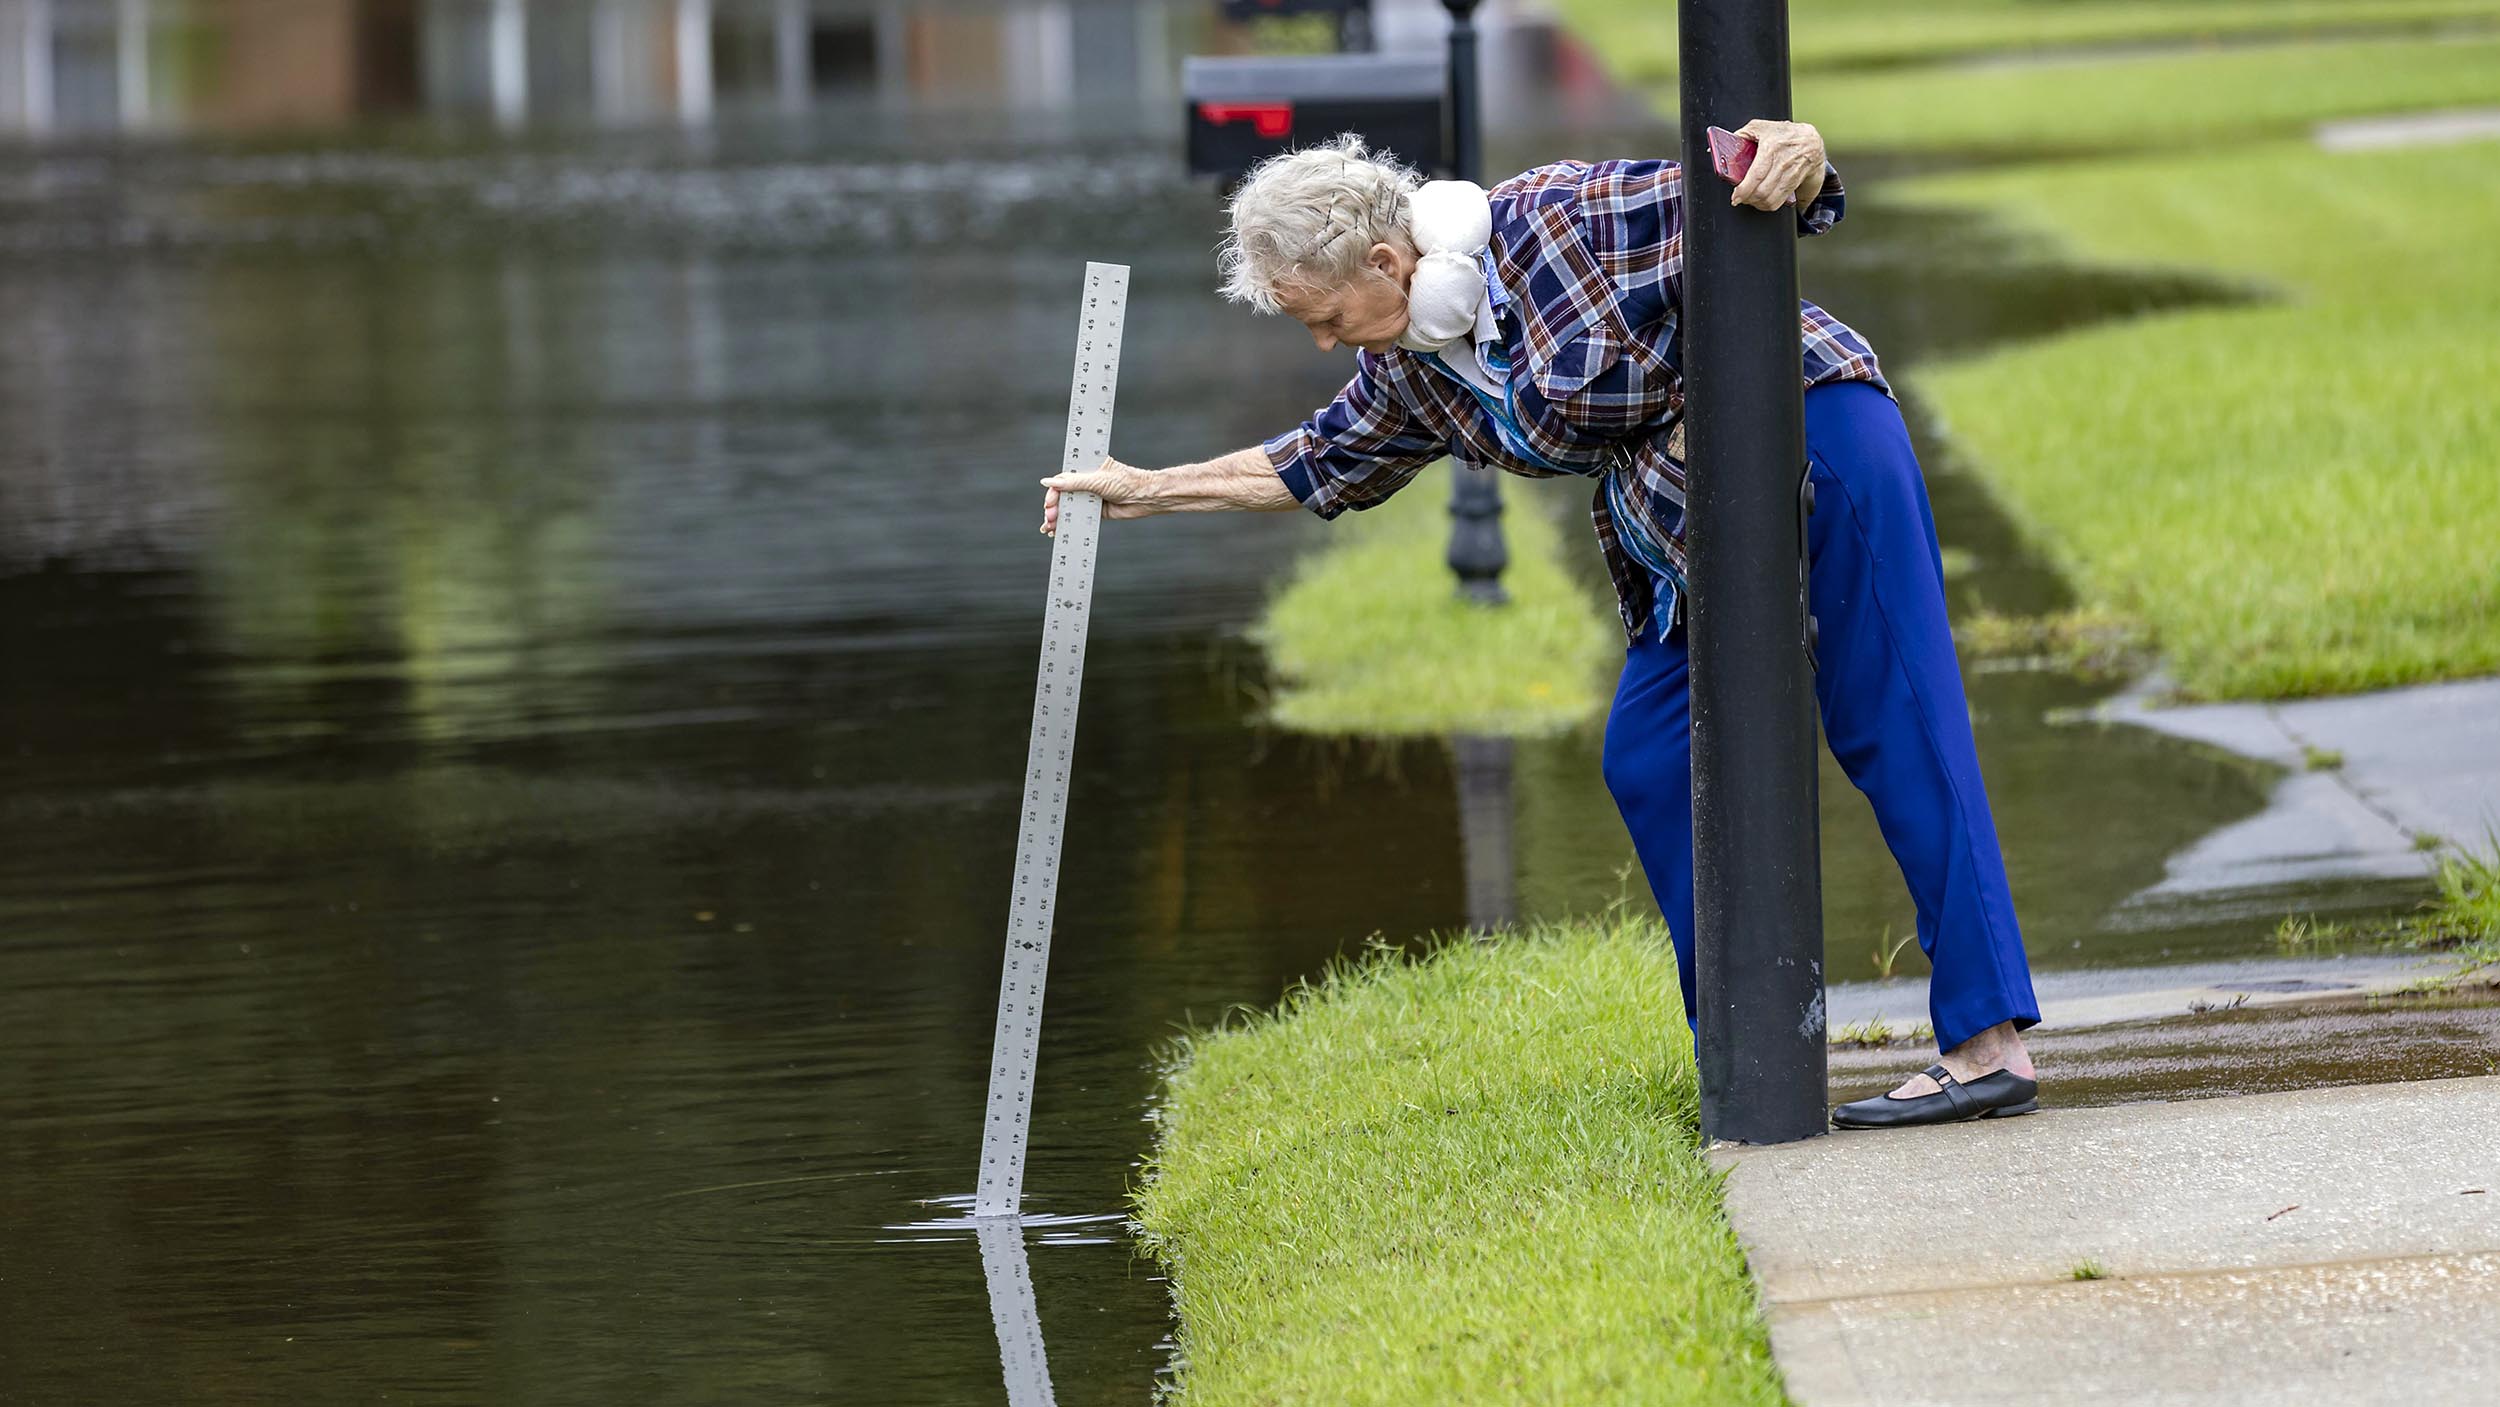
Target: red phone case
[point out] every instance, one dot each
(1731, 154)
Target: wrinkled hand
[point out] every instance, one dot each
(1787, 165)
(1124, 490)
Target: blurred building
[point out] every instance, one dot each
(90, 66)
(80, 67)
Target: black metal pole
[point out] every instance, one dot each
(1477, 553)
(1757, 864)
(1466, 102)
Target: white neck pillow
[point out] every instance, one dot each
(1452, 222)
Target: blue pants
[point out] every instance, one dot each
(1893, 714)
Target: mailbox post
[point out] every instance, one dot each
(1466, 98)
(1477, 553)
(1757, 865)
(1242, 109)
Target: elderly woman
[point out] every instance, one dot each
(1533, 327)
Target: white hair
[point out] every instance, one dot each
(1305, 219)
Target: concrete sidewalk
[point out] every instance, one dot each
(2414, 764)
(2072, 999)
(2327, 1246)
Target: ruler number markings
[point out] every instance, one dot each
(1057, 689)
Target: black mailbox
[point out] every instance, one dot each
(1243, 109)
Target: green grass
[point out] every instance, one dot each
(2307, 933)
(2461, 917)
(2297, 496)
(1931, 99)
(1369, 636)
(2292, 497)
(1473, 1178)
(2466, 910)
(1888, 951)
(2146, 102)
(1875, 1033)
(1828, 34)
(2090, 642)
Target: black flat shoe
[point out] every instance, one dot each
(1999, 1094)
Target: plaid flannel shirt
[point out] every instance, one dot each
(1587, 260)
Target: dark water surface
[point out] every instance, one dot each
(514, 660)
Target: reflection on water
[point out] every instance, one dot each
(516, 653)
(1021, 1357)
(1487, 799)
(515, 649)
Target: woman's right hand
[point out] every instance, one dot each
(1787, 165)
(1125, 490)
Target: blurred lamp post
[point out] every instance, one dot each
(1476, 550)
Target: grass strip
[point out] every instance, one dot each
(2462, 917)
(2296, 496)
(1830, 34)
(2151, 102)
(2090, 642)
(2466, 910)
(1472, 1177)
(1369, 637)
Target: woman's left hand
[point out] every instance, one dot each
(1125, 490)
(1787, 165)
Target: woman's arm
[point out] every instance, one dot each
(1244, 479)
(1353, 452)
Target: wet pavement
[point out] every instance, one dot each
(2317, 1043)
(2375, 786)
(2074, 998)
(515, 646)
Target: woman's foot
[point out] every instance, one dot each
(1988, 1076)
(2000, 1047)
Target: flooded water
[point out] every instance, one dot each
(517, 599)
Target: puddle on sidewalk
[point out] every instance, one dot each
(2253, 1050)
